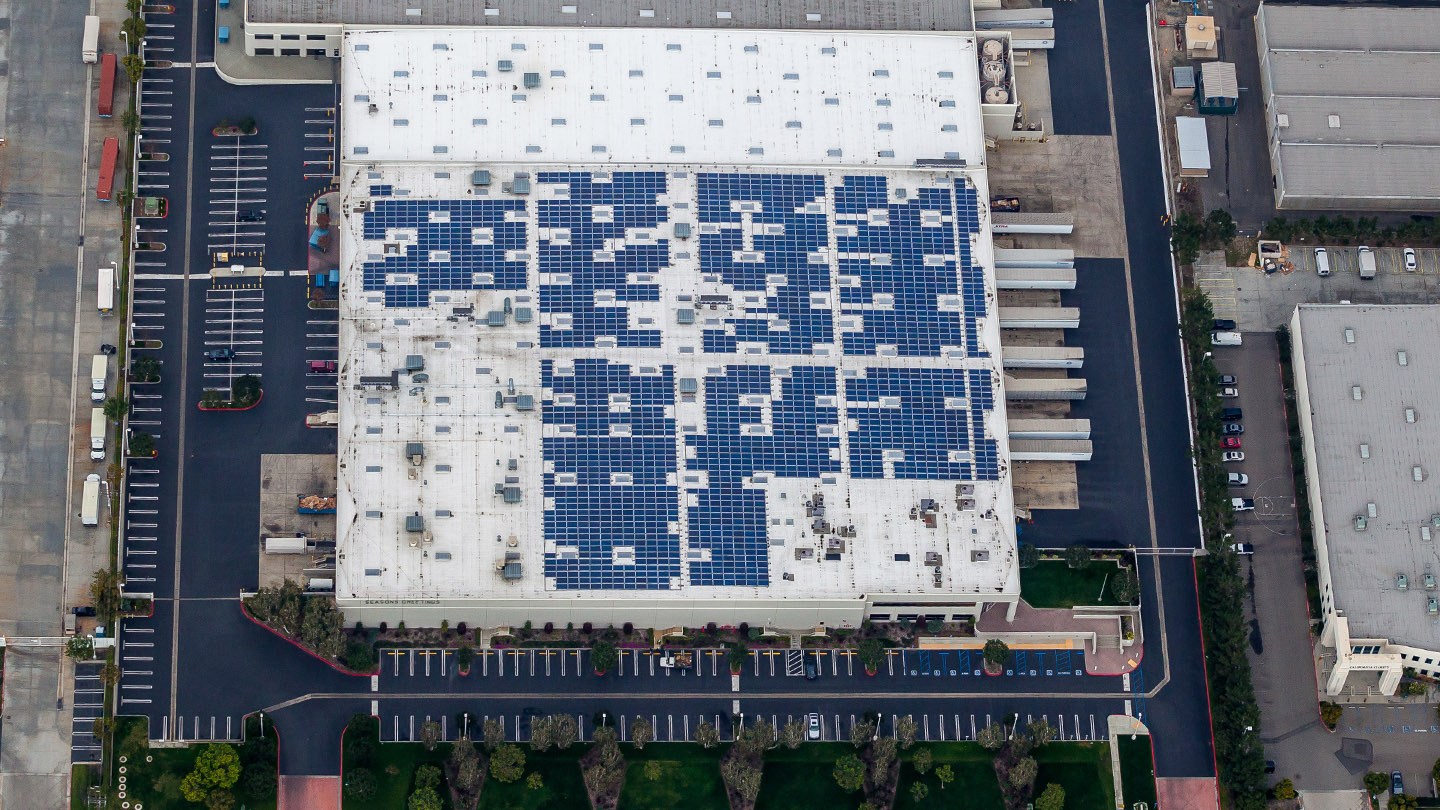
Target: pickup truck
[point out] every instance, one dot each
(1243, 504)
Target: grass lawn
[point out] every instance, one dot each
(81, 778)
(563, 788)
(689, 778)
(156, 783)
(1137, 770)
(1083, 769)
(974, 782)
(394, 765)
(1053, 584)
(802, 778)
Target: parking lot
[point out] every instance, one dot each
(239, 172)
(1260, 302)
(89, 704)
(322, 345)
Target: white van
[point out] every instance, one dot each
(1367, 263)
(1225, 338)
(1322, 262)
(97, 434)
(99, 368)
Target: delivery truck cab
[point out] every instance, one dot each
(99, 368)
(90, 501)
(97, 434)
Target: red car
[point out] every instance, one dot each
(1230, 442)
(322, 366)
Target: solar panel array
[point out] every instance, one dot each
(824, 276)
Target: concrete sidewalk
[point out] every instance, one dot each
(235, 67)
(1047, 627)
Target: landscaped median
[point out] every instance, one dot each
(245, 393)
(765, 769)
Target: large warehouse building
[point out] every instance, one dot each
(1365, 377)
(1352, 105)
(668, 327)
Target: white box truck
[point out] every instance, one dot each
(99, 368)
(90, 46)
(105, 290)
(90, 501)
(97, 434)
(1225, 339)
(1367, 263)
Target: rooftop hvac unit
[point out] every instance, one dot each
(1432, 606)
(992, 48)
(992, 70)
(995, 94)
(414, 363)
(1401, 583)
(415, 451)
(414, 523)
(532, 80)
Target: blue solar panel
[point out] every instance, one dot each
(622, 495)
(932, 418)
(581, 264)
(457, 245)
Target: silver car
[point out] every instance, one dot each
(812, 727)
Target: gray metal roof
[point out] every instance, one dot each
(1364, 564)
(876, 15)
(1353, 103)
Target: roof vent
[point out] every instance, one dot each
(1282, 120)
(1401, 358)
(1364, 451)
(1409, 416)
(1356, 393)
(1349, 335)
(1418, 473)
(1334, 121)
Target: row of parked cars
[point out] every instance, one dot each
(1367, 261)
(1231, 429)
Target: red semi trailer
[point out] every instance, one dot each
(107, 169)
(107, 84)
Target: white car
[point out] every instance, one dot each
(812, 727)
(1229, 392)
(1233, 455)
(1322, 262)
(1410, 263)
(1237, 479)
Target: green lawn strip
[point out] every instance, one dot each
(1137, 770)
(155, 784)
(1053, 584)
(81, 778)
(1083, 769)
(689, 777)
(394, 766)
(563, 788)
(975, 786)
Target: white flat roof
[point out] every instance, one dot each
(1194, 142)
(638, 96)
(891, 434)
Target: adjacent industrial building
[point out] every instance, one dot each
(1365, 379)
(1352, 105)
(673, 326)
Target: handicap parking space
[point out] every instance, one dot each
(962, 663)
(1408, 718)
(89, 705)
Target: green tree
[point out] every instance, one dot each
(465, 656)
(755, 739)
(133, 6)
(465, 762)
(1077, 556)
(542, 733)
(245, 390)
(991, 737)
(922, 761)
(905, 729)
(603, 657)
(142, 445)
(743, 776)
(1376, 783)
(1330, 713)
(872, 654)
(737, 654)
(1285, 790)
(259, 781)
(134, 69)
(849, 773)
(1051, 798)
(429, 734)
(492, 734)
(426, 795)
(945, 774)
(535, 781)
(707, 736)
(116, 408)
(605, 735)
(653, 770)
(882, 756)
(80, 648)
(280, 607)
(641, 733)
(919, 791)
(1402, 801)
(134, 28)
(861, 733)
(217, 769)
(996, 653)
(323, 627)
(359, 656)
(145, 369)
(1027, 555)
(564, 731)
(507, 764)
(1125, 586)
(1041, 731)
(105, 594)
(360, 784)
(792, 734)
(1022, 775)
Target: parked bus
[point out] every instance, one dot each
(107, 84)
(105, 292)
(109, 155)
(90, 46)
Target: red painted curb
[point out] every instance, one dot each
(258, 400)
(297, 645)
